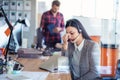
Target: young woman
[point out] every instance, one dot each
(80, 50)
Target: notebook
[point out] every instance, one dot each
(54, 62)
(50, 28)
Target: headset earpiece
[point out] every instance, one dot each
(79, 30)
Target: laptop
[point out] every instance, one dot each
(52, 63)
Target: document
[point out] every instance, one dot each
(50, 28)
(25, 75)
(63, 64)
(18, 77)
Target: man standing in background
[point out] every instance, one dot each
(52, 23)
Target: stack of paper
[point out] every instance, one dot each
(63, 64)
(18, 77)
(25, 75)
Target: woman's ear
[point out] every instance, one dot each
(79, 30)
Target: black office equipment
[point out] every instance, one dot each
(18, 66)
(1, 65)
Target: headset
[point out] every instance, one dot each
(78, 28)
(77, 25)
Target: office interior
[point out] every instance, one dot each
(101, 19)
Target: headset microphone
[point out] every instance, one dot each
(74, 40)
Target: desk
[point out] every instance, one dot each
(33, 65)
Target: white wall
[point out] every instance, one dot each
(108, 29)
(92, 25)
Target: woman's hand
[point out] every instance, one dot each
(65, 41)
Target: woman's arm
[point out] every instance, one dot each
(94, 59)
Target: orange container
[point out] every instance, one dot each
(109, 56)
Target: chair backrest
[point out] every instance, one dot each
(39, 38)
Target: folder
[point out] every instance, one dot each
(50, 28)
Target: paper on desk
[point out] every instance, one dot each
(18, 77)
(25, 75)
(63, 64)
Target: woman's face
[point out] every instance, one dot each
(72, 32)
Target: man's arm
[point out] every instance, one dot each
(62, 23)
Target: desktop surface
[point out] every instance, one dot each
(33, 65)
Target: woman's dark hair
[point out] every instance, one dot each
(77, 24)
(1, 15)
(56, 2)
